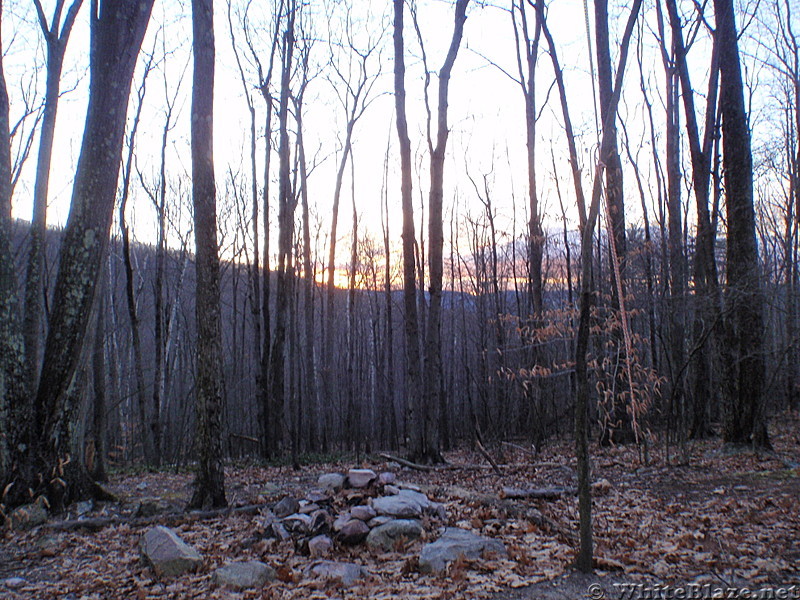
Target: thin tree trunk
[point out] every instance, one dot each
(209, 483)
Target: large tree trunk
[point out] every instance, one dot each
(744, 418)
(209, 484)
(117, 29)
(13, 391)
(34, 287)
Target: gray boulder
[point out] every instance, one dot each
(363, 512)
(417, 497)
(167, 553)
(454, 544)
(384, 536)
(331, 481)
(286, 507)
(345, 573)
(319, 546)
(353, 532)
(397, 506)
(298, 523)
(361, 478)
(387, 478)
(243, 575)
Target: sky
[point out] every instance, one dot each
(486, 112)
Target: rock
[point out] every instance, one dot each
(363, 512)
(438, 510)
(384, 536)
(391, 489)
(341, 520)
(317, 497)
(141, 486)
(601, 487)
(331, 481)
(14, 582)
(454, 544)
(353, 532)
(380, 520)
(167, 553)
(397, 506)
(345, 573)
(360, 478)
(149, 507)
(286, 507)
(320, 522)
(307, 508)
(28, 516)
(278, 531)
(387, 478)
(319, 546)
(416, 496)
(243, 575)
(82, 508)
(298, 523)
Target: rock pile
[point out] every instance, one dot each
(361, 507)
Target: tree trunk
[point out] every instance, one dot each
(209, 483)
(117, 29)
(410, 322)
(428, 450)
(744, 412)
(56, 44)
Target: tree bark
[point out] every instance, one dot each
(209, 483)
(744, 420)
(117, 30)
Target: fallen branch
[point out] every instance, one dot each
(552, 493)
(521, 448)
(488, 457)
(171, 518)
(408, 463)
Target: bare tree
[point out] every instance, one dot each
(410, 322)
(117, 30)
(209, 484)
(744, 420)
(56, 43)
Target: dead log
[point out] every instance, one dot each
(551, 493)
(408, 463)
(171, 518)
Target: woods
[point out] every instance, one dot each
(610, 255)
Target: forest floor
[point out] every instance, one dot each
(709, 516)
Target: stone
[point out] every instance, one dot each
(242, 575)
(437, 510)
(28, 516)
(278, 531)
(331, 481)
(454, 544)
(345, 573)
(341, 520)
(387, 478)
(149, 507)
(141, 486)
(360, 478)
(167, 553)
(307, 507)
(320, 522)
(380, 520)
(363, 512)
(285, 507)
(416, 496)
(320, 546)
(14, 582)
(353, 532)
(397, 506)
(384, 536)
(83, 508)
(317, 497)
(298, 523)
(391, 489)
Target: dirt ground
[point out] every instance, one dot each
(707, 516)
